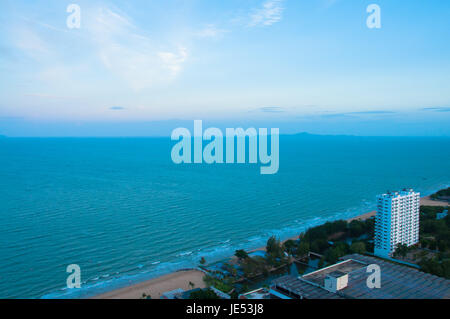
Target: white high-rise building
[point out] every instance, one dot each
(397, 221)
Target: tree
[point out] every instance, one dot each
(274, 248)
(203, 294)
(356, 228)
(358, 248)
(241, 254)
(302, 249)
(401, 250)
(254, 266)
(290, 246)
(321, 263)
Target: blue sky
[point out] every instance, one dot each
(144, 67)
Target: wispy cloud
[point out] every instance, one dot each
(329, 3)
(271, 109)
(210, 31)
(437, 109)
(117, 108)
(49, 96)
(372, 112)
(126, 51)
(30, 42)
(271, 12)
(355, 114)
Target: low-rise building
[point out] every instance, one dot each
(348, 279)
(261, 293)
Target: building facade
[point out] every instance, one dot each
(397, 221)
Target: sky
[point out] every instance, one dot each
(138, 68)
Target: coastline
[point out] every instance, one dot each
(157, 286)
(180, 279)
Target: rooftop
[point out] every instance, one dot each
(339, 269)
(298, 288)
(260, 293)
(397, 282)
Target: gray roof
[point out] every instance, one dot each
(336, 274)
(344, 267)
(303, 289)
(397, 281)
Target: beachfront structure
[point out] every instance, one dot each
(261, 293)
(397, 221)
(348, 280)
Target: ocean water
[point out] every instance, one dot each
(122, 211)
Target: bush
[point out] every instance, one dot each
(203, 294)
(358, 248)
(241, 254)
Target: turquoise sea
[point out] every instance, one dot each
(124, 212)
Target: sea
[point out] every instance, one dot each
(124, 212)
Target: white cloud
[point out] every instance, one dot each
(129, 54)
(30, 42)
(270, 13)
(330, 3)
(210, 31)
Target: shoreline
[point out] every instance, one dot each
(180, 279)
(155, 287)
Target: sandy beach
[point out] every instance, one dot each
(157, 286)
(427, 201)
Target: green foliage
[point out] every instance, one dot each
(434, 234)
(290, 247)
(302, 249)
(333, 254)
(433, 266)
(401, 250)
(358, 247)
(241, 254)
(254, 266)
(322, 232)
(441, 193)
(319, 245)
(275, 252)
(203, 294)
(356, 228)
(274, 247)
(321, 263)
(224, 285)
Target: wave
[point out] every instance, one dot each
(190, 259)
